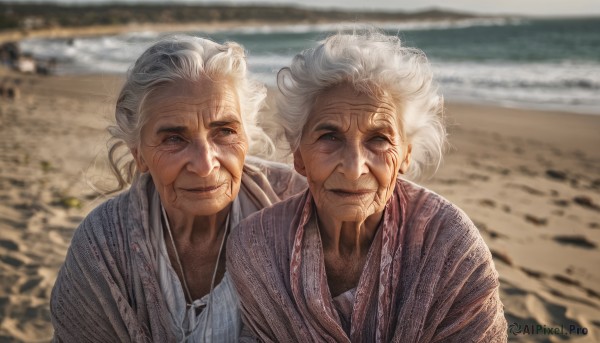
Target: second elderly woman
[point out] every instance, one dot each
(364, 255)
(149, 265)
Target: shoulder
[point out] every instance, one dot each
(424, 203)
(101, 225)
(444, 224)
(271, 225)
(447, 236)
(284, 180)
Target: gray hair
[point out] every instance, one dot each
(375, 64)
(172, 59)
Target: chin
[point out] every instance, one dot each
(349, 214)
(207, 207)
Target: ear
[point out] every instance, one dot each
(139, 160)
(299, 163)
(406, 162)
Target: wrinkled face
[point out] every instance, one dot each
(351, 151)
(194, 146)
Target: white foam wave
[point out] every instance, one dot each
(574, 84)
(549, 85)
(407, 25)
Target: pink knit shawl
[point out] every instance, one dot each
(429, 277)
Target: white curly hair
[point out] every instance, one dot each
(375, 64)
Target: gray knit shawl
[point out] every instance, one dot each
(429, 277)
(108, 288)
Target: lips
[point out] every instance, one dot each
(352, 192)
(203, 189)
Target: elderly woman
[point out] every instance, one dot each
(364, 255)
(149, 265)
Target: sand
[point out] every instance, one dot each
(530, 180)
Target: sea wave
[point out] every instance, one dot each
(407, 25)
(568, 80)
(564, 85)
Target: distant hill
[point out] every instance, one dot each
(20, 16)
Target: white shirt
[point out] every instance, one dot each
(220, 319)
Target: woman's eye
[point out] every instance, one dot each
(227, 131)
(173, 139)
(381, 139)
(380, 142)
(328, 137)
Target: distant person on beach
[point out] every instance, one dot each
(364, 255)
(149, 264)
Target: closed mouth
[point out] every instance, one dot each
(204, 189)
(351, 193)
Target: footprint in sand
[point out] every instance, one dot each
(566, 280)
(29, 285)
(11, 261)
(502, 256)
(575, 240)
(526, 171)
(537, 221)
(525, 188)
(586, 202)
(533, 273)
(556, 174)
(9, 245)
(572, 298)
(487, 203)
(532, 310)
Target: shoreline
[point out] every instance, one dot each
(100, 30)
(213, 26)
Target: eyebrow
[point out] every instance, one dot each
(171, 129)
(327, 127)
(228, 120)
(385, 127)
(225, 122)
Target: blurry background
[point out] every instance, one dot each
(516, 52)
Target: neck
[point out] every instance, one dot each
(194, 230)
(348, 238)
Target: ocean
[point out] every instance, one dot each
(512, 62)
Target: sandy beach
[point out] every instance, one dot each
(530, 180)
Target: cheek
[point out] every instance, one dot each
(385, 168)
(164, 166)
(319, 166)
(231, 158)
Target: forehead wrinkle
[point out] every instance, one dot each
(346, 106)
(338, 110)
(384, 121)
(342, 122)
(189, 119)
(223, 111)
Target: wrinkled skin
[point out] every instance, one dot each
(351, 152)
(194, 147)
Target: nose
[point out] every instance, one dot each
(353, 164)
(202, 159)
